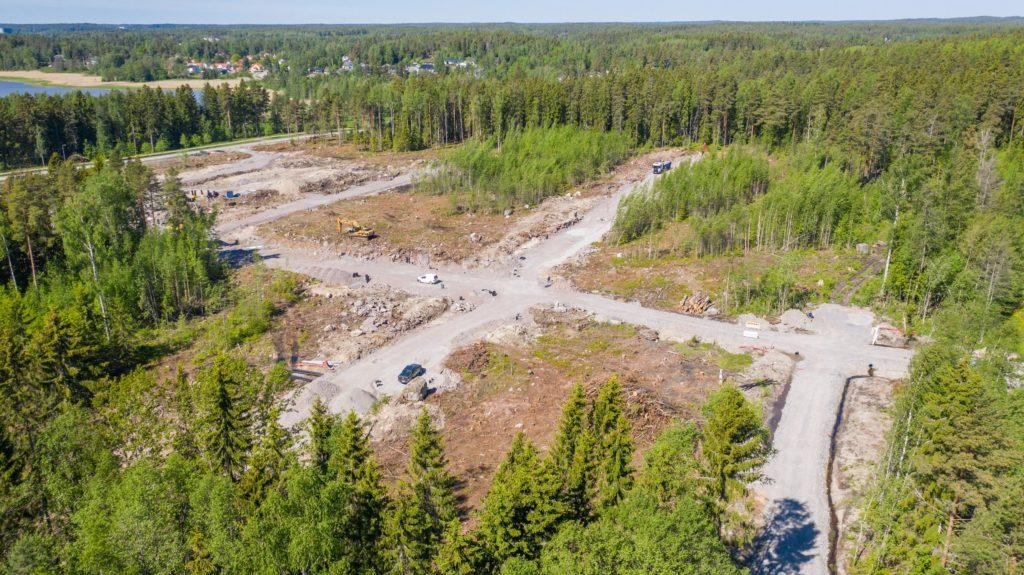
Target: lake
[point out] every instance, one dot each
(8, 87)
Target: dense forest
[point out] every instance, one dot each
(853, 86)
(817, 137)
(35, 127)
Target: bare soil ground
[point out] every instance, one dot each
(517, 378)
(434, 231)
(657, 272)
(860, 445)
(332, 150)
(277, 173)
(311, 323)
(198, 160)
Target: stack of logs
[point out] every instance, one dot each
(695, 304)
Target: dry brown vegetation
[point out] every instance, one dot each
(518, 378)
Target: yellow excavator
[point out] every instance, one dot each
(352, 229)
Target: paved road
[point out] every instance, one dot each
(837, 347)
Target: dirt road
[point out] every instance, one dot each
(837, 346)
(225, 229)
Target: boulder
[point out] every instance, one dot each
(415, 390)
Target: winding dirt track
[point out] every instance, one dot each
(796, 537)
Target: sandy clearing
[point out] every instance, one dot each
(79, 80)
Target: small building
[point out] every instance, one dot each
(5, 30)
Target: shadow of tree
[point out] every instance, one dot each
(786, 543)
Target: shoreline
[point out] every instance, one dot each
(80, 80)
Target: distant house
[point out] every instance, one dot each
(194, 68)
(418, 68)
(5, 30)
(258, 71)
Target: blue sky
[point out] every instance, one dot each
(364, 11)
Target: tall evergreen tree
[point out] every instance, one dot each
(521, 511)
(225, 419)
(572, 456)
(424, 505)
(735, 445)
(613, 444)
(270, 459)
(321, 427)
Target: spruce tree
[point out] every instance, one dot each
(351, 449)
(425, 503)
(321, 430)
(613, 445)
(572, 456)
(458, 555)
(735, 445)
(352, 464)
(225, 421)
(268, 463)
(522, 508)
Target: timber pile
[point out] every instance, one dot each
(695, 304)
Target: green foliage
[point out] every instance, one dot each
(951, 473)
(735, 445)
(613, 445)
(522, 508)
(701, 190)
(424, 505)
(573, 456)
(224, 414)
(525, 167)
(640, 536)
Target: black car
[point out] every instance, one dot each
(411, 372)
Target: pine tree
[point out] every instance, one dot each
(613, 444)
(225, 421)
(735, 445)
(425, 503)
(522, 508)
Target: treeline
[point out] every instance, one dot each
(35, 127)
(142, 53)
(106, 249)
(877, 101)
(526, 167)
(876, 90)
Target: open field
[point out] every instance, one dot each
(80, 80)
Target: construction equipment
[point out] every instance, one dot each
(352, 229)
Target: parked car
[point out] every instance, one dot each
(410, 372)
(429, 279)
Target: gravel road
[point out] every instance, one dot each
(836, 347)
